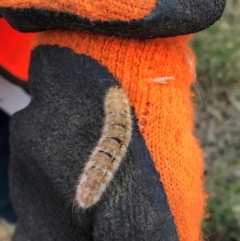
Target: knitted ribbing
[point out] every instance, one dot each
(164, 110)
(105, 10)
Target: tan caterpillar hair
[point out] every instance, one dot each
(109, 151)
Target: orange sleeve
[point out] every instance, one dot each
(14, 50)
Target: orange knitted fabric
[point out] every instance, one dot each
(94, 10)
(14, 50)
(164, 110)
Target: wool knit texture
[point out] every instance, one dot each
(104, 10)
(164, 110)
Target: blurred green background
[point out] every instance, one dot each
(218, 121)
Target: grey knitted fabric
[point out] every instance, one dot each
(50, 142)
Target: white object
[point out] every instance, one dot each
(12, 97)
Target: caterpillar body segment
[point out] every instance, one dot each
(109, 151)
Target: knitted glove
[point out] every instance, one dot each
(120, 18)
(157, 192)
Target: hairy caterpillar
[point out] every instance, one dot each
(109, 151)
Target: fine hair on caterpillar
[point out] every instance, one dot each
(109, 151)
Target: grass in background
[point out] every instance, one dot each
(218, 48)
(218, 121)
